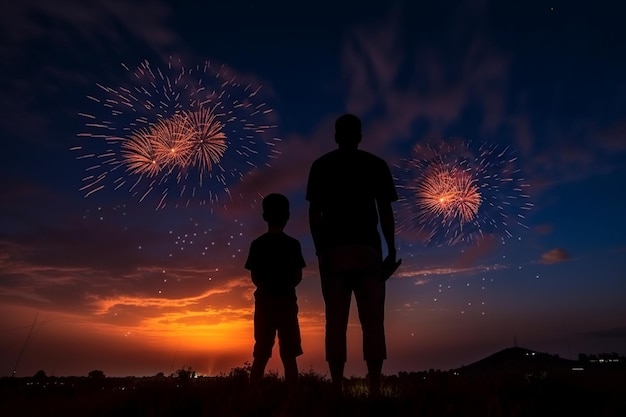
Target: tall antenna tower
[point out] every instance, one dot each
(30, 335)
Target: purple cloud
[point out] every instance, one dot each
(555, 255)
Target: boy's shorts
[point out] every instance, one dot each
(273, 317)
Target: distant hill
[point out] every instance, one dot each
(516, 360)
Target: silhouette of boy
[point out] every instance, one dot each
(275, 262)
(348, 191)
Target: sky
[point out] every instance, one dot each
(109, 269)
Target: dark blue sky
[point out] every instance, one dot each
(544, 80)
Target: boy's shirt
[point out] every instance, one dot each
(275, 257)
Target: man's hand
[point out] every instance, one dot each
(390, 265)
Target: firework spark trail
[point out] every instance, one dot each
(456, 193)
(139, 154)
(466, 198)
(186, 133)
(208, 141)
(171, 140)
(437, 193)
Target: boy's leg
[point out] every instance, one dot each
(264, 334)
(258, 369)
(289, 340)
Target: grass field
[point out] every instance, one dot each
(406, 394)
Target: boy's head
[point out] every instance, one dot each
(276, 209)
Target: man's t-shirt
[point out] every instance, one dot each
(346, 185)
(274, 257)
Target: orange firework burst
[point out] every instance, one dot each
(139, 154)
(166, 144)
(454, 192)
(450, 193)
(437, 193)
(466, 197)
(172, 140)
(188, 134)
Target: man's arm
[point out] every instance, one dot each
(388, 226)
(315, 224)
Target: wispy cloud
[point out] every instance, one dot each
(411, 81)
(425, 275)
(104, 305)
(395, 83)
(67, 23)
(611, 333)
(555, 255)
(78, 35)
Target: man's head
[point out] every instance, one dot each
(348, 131)
(276, 209)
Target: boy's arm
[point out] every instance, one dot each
(297, 276)
(254, 274)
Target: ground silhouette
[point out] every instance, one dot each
(508, 383)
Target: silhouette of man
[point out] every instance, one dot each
(348, 191)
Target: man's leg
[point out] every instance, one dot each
(336, 374)
(374, 375)
(370, 297)
(337, 294)
(290, 365)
